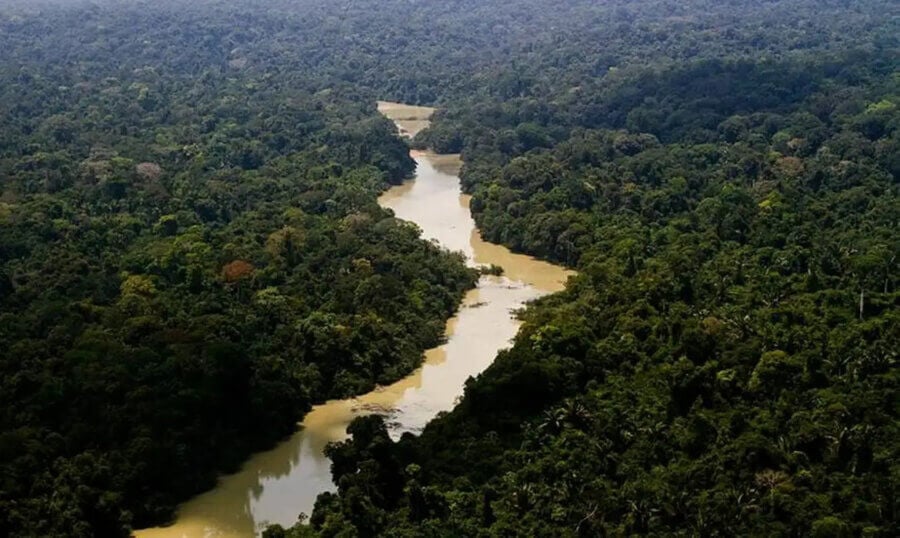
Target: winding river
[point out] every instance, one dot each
(275, 486)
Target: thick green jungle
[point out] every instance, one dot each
(189, 233)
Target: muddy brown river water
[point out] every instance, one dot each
(277, 485)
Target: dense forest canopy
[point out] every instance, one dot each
(189, 233)
(188, 260)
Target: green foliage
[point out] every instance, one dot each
(725, 363)
(191, 254)
(190, 257)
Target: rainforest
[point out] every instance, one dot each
(193, 255)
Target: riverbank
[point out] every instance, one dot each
(275, 486)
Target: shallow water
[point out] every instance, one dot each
(277, 485)
(410, 119)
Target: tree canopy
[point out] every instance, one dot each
(191, 254)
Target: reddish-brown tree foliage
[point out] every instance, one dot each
(236, 270)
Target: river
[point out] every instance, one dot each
(275, 486)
